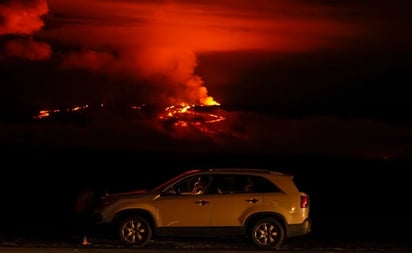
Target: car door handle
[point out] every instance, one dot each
(202, 202)
(252, 201)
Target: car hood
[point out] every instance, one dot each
(128, 193)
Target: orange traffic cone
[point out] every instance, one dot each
(85, 241)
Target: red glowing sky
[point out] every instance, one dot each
(163, 38)
(160, 40)
(198, 26)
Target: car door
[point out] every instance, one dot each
(233, 203)
(184, 209)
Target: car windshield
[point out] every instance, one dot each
(161, 186)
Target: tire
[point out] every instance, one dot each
(268, 233)
(134, 230)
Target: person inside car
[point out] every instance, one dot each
(200, 186)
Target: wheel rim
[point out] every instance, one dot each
(266, 234)
(134, 232)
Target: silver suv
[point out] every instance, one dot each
(263, 205)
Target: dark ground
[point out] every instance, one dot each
(351, 199)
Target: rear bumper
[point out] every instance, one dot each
(303, 228)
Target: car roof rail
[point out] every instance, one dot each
(234, 169)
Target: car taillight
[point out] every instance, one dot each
(304, 201)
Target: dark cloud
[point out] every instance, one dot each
(29, 49)
(22, 17)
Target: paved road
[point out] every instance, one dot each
(307, 245)
(114, 250)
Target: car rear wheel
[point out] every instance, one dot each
(134, 230)
(268, 233)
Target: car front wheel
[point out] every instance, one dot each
(268, 234)
(134, 230)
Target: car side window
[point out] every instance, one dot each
(249, 185)
(262, 185)
(183, 187)
(224, 184)
(228, 184)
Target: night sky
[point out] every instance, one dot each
(288, 78)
